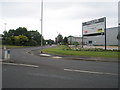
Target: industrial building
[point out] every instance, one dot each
(111, 38)
(72, 39)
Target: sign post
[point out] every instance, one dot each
(105, 34)
(82, 35)
(94, 28)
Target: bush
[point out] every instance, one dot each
(76, 44)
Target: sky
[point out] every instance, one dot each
(59, 16)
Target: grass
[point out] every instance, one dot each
(64, 50)
(11, 46)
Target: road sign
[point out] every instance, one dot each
(94, 27)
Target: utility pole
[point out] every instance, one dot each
(5, 26)
(41, 22)
(57, 38)
(82, 36)
(105, 34)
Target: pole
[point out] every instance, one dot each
(105, 33)
(41, 22)
(5, 26)
(82, 35)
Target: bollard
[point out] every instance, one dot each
(5, 54)
(8, 54)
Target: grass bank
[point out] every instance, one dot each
(64, 50)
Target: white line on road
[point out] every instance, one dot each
(91, 72)
(15, 64)
(47, 55)
(56, 57)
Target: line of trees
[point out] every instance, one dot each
(22, 37)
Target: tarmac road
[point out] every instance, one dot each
(46, 72)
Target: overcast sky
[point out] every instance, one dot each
(60, 16)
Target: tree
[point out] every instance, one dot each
(20, 40)
(23, 40)
(21, 31)
(5, 35)
(35, 35)
(9, 40)
(31, 43)
(60, 39)
(21, 36)
(11, 32)
(65, 40)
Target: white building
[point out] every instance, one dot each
(73, 39)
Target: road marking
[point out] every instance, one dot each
(91, 72)
(56, 57)
(46, 55)
(26, 65)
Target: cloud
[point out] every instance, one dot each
(20, 10)
(93, 9)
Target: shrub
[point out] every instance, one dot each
(76, 44)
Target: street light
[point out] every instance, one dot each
(41, 22)
(5, 25)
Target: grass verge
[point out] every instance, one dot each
(11, 46)
(64, 50)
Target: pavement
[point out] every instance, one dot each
(67, 57)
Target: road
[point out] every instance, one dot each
(46, 72)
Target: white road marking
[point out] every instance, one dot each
(56, 57)
(91, 72)
(15, 64)
(47, 55)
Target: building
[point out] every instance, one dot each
(111, 38)
(72, 40)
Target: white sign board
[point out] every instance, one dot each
(94, 27)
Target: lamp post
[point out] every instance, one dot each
(5, 25)
(41, 22)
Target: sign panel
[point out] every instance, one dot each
(94, 27)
